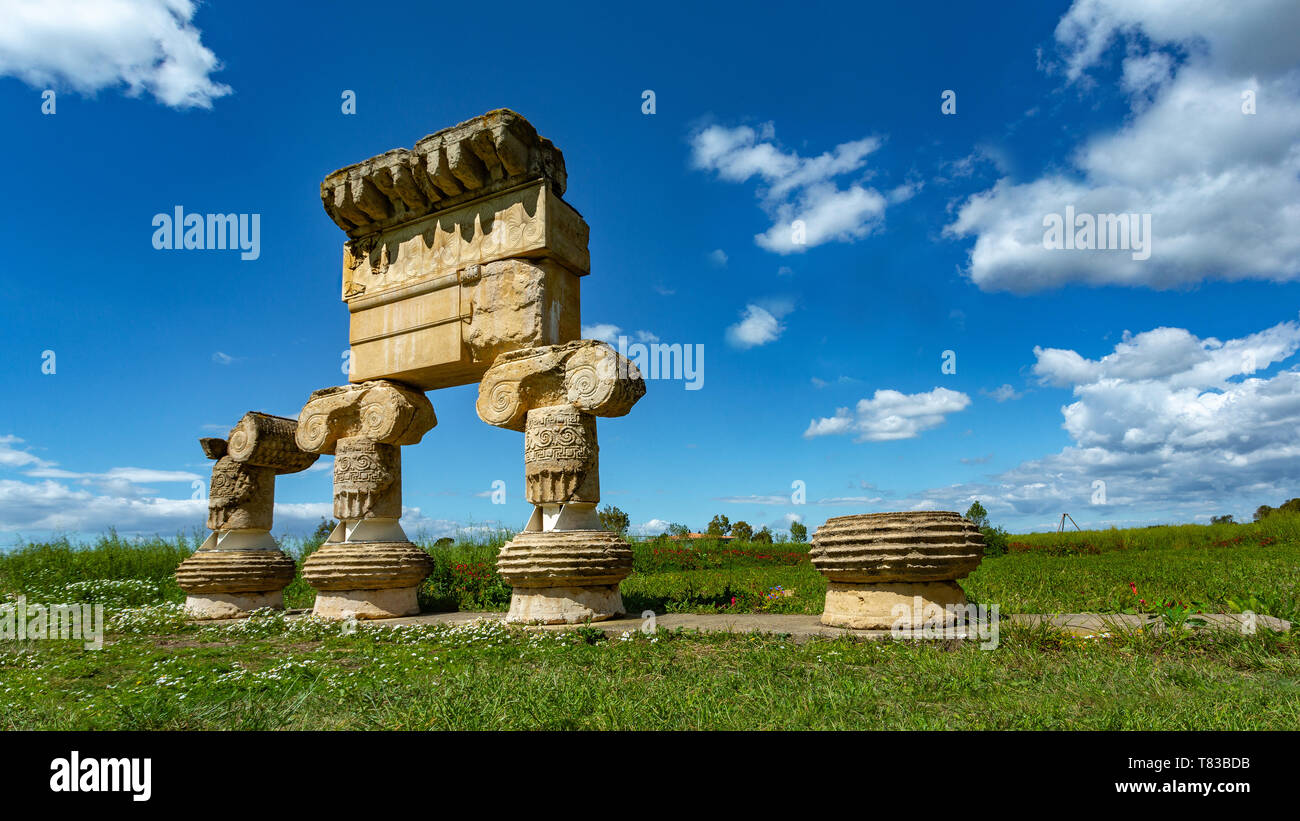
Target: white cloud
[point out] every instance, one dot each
(1222, 187)
(651, 528)
(604, 332)
(222, 358)
(11, 456)
(1002, 393)
(757, 326)
(1169, 423)
(756, 499)
(891, 415)
(88, 45)
(849, 500)
(52, 507)
(795, 188)
(718, 258)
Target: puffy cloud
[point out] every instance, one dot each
(651, 528)
(11, 456)
(1167, 424)
(795, 189)
(757, 326)
(756, 499)
(1222, 186)
(84, 504)
(1002, 393)
(604, 332)
(891, 415)
(147, 45)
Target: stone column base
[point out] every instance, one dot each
(231, 605)
(390, 603)
(872, 606)
(564, 605)
(366, 580)
(228, 584)
(564, 576)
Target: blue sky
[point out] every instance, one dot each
(1170, 380)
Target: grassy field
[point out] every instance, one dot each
(158, 672)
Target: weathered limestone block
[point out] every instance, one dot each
(479, 157)
(561, 457)
(459, 250)
(269, 441)
(225, 584)
(239, 568)
(877, 562)
(564, 568)
(367, 568)
(587, 374)
(381, 411)
(367, 479)
(565, 577)
(240, 496)
(366, 580)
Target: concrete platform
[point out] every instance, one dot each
(804, 627)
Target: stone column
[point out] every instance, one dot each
(239, 568)
(367, 568)
(876, 562)
(564, 567)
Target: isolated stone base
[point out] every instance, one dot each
(231, 605)
(366, 580)
(564, 605)
(872, 606)
(213, 572)
(387, 603)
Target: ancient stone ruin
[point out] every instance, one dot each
(876, 562)
(367, 567)
(462, 264)
(239, 567)
(564, 567)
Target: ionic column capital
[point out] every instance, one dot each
(381, 411)
(587, 374)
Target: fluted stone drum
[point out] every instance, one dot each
(565, 576)
(894, 569)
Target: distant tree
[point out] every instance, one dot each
(798, 532)
(1263, 511)
(323, 530)
(719, 526)
(1290, 506)
(995, 538)
(680, 531)
(763, 536)
(445, 541)
(1222, 520)
(611, 518)
(742, 531)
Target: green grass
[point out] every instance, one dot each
(158, 672)
(265, 674)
